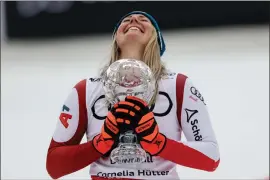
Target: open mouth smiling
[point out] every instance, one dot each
(134, 28)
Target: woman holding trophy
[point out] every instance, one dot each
(133, 115)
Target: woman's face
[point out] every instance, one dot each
(134, 28)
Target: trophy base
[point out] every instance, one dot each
(128, 154)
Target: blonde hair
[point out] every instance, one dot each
(151, 57)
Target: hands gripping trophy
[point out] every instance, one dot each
(130, 129)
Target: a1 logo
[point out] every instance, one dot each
(64, 117)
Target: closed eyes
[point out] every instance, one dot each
(128, 19)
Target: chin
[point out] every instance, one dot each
(134, 34)
(134, 37)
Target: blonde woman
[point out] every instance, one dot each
(177, 107)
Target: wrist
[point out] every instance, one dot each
(102, 145)
(156, 146)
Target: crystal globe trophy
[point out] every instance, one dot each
(128, 77)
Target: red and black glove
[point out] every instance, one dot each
(143, 122)
(108, 139)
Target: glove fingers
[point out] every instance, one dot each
(122, 117)
(111, 118)
(137, 101)
(126, 119)
(129, 106)
(147, 131)
(127, 112)
(109, 129)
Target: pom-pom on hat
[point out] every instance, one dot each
(161, 42)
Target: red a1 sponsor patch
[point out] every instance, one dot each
(64, 117)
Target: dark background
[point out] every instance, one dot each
(90, 18)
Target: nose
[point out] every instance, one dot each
(134, 18)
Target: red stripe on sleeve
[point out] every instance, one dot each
(184, 155)
(178, 152)
(180, 84)
(68, 157)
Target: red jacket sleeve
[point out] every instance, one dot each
(201, 149)
(65, 154)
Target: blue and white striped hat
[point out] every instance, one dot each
(161, 42)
